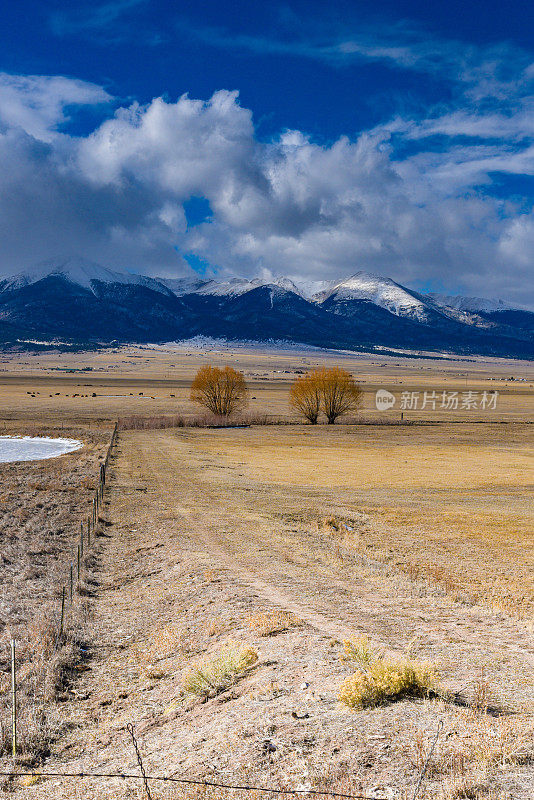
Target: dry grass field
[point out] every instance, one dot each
(250, 583)
(103, 385)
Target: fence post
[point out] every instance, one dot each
(13, 701)
(81, 537)
(71, 583)
(78, 563)
(88, 531)
(62, 612)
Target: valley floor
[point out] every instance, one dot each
(208, 532)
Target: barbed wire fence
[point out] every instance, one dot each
(69, 589)
(206, 784)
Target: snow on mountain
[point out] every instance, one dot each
(238, 286)
(383, 292)
(473, 304)
(81, 272)
(309, 289)
(181, 286)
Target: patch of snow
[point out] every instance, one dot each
(238, 286)
(181, 286)
(212, 343)
(33, 448)
(461, 303)
(309, 289)
(52, 342)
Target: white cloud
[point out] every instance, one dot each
(493, 71)
(286, 206)
(38, 103)
(106, 20)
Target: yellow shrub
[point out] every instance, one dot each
(386, 680)
(359, 651)
(379, 680)
(214, 676)
(273, 622)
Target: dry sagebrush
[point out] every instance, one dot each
(273, 622)
(381, 680)
(213, 676)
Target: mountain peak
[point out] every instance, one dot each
(381, 291)
(81, 272)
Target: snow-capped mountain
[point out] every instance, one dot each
(78, 300)
(180, 286)
(80, 272)
(383, 292)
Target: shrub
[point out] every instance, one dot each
(137, 422)
(381, 680)
(359, 651)
(221, 391)
(204, 420)
(273, 622)
(214, 676)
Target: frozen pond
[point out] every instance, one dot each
(33, 448)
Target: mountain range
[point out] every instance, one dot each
(77, 301)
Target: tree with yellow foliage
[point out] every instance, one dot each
(339, 393)
(221, 391)
(332, 391)
(305, 396)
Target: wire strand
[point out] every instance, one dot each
(188, 781)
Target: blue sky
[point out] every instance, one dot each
(302, 138)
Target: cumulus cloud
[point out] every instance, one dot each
(287, 206)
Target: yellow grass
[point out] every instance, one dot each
(385, 680)
(273, 622)
(216, 674)
(445, 505)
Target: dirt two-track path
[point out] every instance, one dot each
(192, 550)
